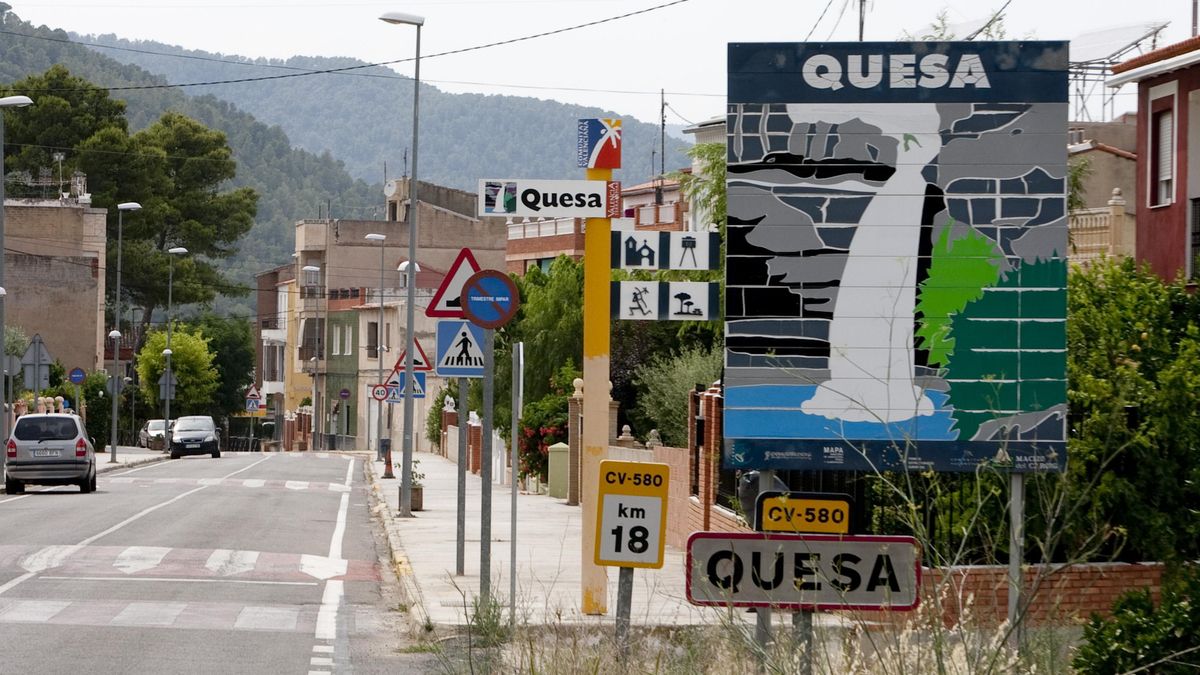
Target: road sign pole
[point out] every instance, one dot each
(762, 625)
(802, 628)
(624, 602)
(463, 431)
(1016, 554)
(596, 327)
(485, 472)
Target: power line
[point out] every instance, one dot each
(347, 69)
(818, 21)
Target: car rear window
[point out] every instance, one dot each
(157, 425)
(45, 429)
(202, 424)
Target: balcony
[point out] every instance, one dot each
(668, 216)
(1102, 231)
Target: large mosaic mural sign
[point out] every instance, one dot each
(896, 256)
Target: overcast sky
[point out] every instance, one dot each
(619, 65)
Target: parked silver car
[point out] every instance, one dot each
(151, 433)
(49, 449)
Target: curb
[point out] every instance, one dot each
(109, 467)
(404, 574)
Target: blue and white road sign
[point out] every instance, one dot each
(459, 349)
(76, 376)
(253, 404)
(396, 392)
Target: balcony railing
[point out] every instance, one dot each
(1102, 231)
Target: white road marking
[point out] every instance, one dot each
(296, 485)
(228, 563)
(268, 618)
(323, 649)
(209, 481)
(320, 661)
(140, 558)
(140, 514)
(338, 487)
(47, 558)
(339, 530)
(327, 615)
(33, 610)
(151, 465)
(150, 613)
(321, 567)
(187, 580)
(253, 483)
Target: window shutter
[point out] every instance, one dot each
(1166, 154)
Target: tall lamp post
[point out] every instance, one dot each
(116, 332)
(387, 469)
(316, 360)
(406, 477)
(170, 390)
(5, 102)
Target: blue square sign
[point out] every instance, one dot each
(459, 349)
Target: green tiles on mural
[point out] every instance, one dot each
(1042, 394)
(970, 332)
(1043, 304)
(1000, 396)
(1043, 365)
(1045, 274)
(1044, 334)
(1002, 303)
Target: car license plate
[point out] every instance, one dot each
(191, 446)
(46, 452)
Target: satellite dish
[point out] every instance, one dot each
(390, 187)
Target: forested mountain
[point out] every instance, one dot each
(364, 117)
(292, 183)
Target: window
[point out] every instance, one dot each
(312, 277)
(337, 340)
(372, 339)
(1162, 158)
(348, 340)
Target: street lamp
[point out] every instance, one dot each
(5, 102)
(406, 477)
(320, 348)
(170, 390)
(115, 335)
(387, 458)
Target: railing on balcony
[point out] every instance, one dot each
(1102, 231)
(544, 228)
(309, 350)
(660, 216)
(310, 292)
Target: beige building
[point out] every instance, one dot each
(54, 276)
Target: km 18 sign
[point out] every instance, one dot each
(633, 513)
(549, 198)
(803, 572)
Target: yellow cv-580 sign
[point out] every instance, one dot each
(822, 513)
(632, 513)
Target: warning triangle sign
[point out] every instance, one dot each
(420, 361)
(464, 351)
(447, 302)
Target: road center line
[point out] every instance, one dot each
(187, 580)
(331, 599)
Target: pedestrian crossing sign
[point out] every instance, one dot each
(396, 391)
(459, 349)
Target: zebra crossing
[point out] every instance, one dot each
(223, 616)
(232, 482)
(150, 562)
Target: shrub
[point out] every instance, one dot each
(1140, 637)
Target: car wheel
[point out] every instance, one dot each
(216, 454)
(85, 485)
(93, 481)
(13, 487)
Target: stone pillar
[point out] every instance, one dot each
(449, 419)
(614, 409)
(575, 441)
(1122, 228)
(710, 455)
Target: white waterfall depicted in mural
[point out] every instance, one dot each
(871, 336)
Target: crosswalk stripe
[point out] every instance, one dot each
(33, 611)
(268, 618)
(150, 613)
(140, 558)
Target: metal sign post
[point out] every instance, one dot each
(485, 470)
(631, 522)
(463, 432)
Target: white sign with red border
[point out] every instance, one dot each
(420, 361)
(447, 302)
(803, 571)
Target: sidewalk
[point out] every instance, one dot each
(127, 457)
(548, 556)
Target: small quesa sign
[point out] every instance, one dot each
(803, 572)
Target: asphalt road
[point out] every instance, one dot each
(251, 563)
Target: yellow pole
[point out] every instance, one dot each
(596, 277)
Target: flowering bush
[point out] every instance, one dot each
(544, 423)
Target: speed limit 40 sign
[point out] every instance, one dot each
(632, 514)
